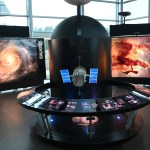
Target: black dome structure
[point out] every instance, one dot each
(83, 26)
(80, 41)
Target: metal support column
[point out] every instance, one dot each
(91, 126)
(47, 126)
(130, 119)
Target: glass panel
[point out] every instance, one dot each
(53, 8)
(107, 24)
(143, 20)
(13, 7)
(42, 34)
(45, 24)
(18, 21)
(100, 10)
(137, 8)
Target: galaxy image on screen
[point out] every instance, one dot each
(18, 58)
(130, 56)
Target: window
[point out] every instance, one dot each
(100, 10)
(137, 21)
(13, 7)
(138, 8)
(18, 21)
(58, 8)
(45, 24)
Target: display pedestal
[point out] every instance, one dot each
(86, 120)
(108, 129)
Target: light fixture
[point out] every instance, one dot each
(124, 15)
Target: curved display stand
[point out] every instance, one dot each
(86, 121)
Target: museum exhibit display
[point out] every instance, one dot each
(22, 62)
(83, 104)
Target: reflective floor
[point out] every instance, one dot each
(15, 133)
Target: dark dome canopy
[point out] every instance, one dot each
(88, 26)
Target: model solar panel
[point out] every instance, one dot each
(65, 76)
(93, 75)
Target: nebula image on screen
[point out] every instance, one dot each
(18, 58)
(130, 56)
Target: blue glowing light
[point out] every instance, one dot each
(93, 75)
(85, 128)
(51, 120)
(118, 117)
(65, 76)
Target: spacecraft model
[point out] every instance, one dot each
(79, 76)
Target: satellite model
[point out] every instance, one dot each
(79, 76)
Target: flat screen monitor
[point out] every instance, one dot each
(22, 62)
(130, 59)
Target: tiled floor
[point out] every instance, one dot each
(16, 135)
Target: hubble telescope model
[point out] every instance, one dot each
(79, 76)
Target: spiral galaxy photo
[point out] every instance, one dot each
(18, 58)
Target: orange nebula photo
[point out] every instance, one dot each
(130, 56)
